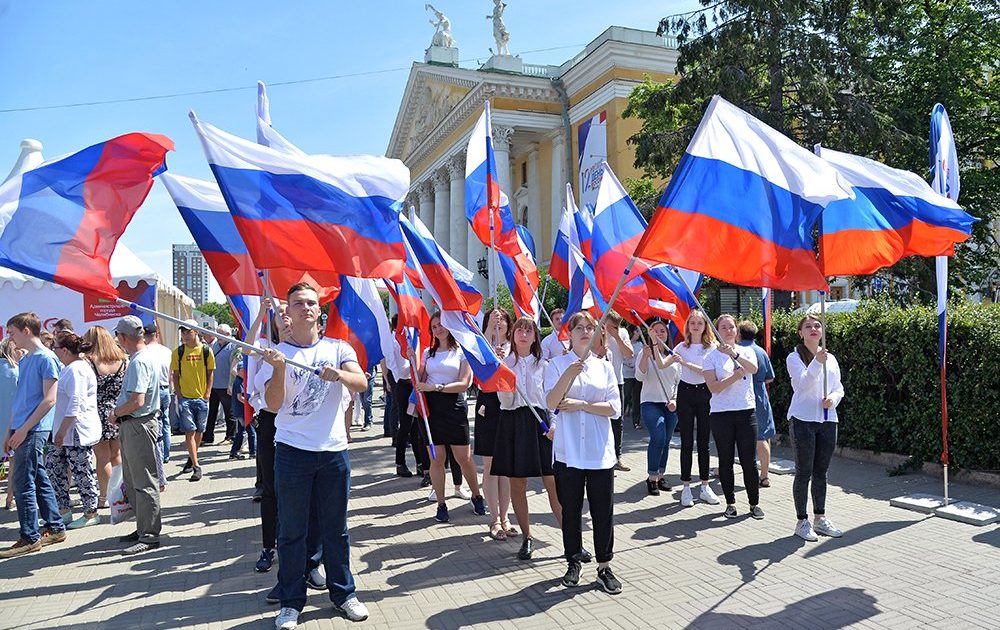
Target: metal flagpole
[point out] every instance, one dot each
(421, 408)
(655, 364)
(822, 341)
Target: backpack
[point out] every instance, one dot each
(204, 361)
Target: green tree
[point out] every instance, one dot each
(856, 75)
(219, 310)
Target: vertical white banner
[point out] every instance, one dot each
(593, 147)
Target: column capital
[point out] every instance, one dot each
(441, 179)
(456, 166)
(501, 137)
(425, 191)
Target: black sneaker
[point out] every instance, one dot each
(258, 495)
(608, 581)
(403, 471)
(196, 474)
(756, 513)
(442, 513)
(186, 468)
(526, 548)
(584, 556)
(572, 577)
(663, 485)
(238, 456)
(479, 505)
(140, 547)
(274, 595)
(730, 511)
(651, 488)
(426, 481)
(130, 538)
(265, 561)
(315, 580)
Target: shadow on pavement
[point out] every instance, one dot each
(834, 609)
(531, 600)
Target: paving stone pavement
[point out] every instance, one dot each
(681, 568)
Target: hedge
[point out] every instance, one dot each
(888, 355)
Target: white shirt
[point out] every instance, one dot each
(616, 356)
(695, 354)
(161, 354)
(653, 387)
(399, 366)
(530, 379)
(552, 347)
(739, 395)
(444, 367)
(311, 417)
(76, 396)
(807, 388)
(584, 440)
(628, 365)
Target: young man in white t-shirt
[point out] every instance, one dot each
(312, 472)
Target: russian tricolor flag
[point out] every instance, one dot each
(617, 229)
(411, 315)
(311, 212)
(358, 317)
(61, 220)
(742, 203)
(521, 276)
(896, 214)
(483, 196)
(581, 282)
(449, 283)
(490, 374)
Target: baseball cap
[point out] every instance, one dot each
(189, 324)
(129, 325)
(150, 329)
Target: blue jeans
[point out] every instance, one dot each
(193, 414)
(366, 401)
(32, 489)
(165, 422)
(312, 486)
(660, 422)
(251, 433)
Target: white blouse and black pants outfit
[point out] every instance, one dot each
(584, 452)
(693, 409)
(734, 425)
(448, 412)
(521, 448)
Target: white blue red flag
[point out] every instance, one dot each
(60, 221)
(521, 276)
(581, 282)
(490, 374)
(449, 283)
(358, 317)
(486, 206)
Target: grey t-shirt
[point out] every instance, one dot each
(142, 375)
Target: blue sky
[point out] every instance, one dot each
(61, 52)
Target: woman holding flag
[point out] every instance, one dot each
(658, 404)
(522, 450)
(499, 325)
(445, 377)
(584, 390)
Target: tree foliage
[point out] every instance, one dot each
(859, 76)
(220, 311)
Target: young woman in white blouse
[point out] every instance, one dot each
(693, 406)
(584, 390)
(444, 378)
(522, 450)
(728, 371)
(496, 489)
(75, 431)
(813, 421)
(659, 376)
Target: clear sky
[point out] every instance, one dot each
(55, 53)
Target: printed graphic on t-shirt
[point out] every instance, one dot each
(311, 390)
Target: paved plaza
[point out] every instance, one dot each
(681, 568)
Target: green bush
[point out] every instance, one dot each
(889, 359)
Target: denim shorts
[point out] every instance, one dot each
(193, 416)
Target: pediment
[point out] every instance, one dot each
(431, 94)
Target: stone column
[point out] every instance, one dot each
(534, 220)
(425, 209)
(442, 208)
(501, 151)
(459, 230)
(558, 193)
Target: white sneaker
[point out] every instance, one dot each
(463, 492)
(805, 531)
(686, 499)
(432, 497)
(354, 609)
(287, 619)
(825, 527)
(708, 496)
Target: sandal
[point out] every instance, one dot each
(765, 482)
(497, 532)
(509, 529)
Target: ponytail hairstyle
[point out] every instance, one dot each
(72, 342)
(805, 353)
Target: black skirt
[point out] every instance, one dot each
(487, 419)
(521, 450)
(449, 418)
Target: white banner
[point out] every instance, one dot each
(592, 139)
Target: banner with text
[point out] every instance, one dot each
(593, 151)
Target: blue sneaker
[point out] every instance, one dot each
(442, 513)
(265, 561)
(479, 505)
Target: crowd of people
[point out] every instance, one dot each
(72, 408)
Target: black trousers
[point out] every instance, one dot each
(737, 431)
(265, 475)
(616, 423)
(599, 486)
(218, 398)
(408, 430)
(693, 410)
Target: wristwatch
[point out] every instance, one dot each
(438, 387)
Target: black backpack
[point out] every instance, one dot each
(204, 361)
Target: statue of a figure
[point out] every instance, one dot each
(500, 33)
(442, 36)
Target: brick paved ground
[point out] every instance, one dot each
(681, 568)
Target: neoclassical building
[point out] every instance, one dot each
(541, 115)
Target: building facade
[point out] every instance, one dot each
(191, 272)
(549, 124)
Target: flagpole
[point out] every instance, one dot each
(655, 367)
(649, 331)
(545, 287)
(233, 340)
(421, 408)
(822, 341)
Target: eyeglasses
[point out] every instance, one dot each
(585, 329)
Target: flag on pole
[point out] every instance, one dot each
(411, 315)
(765, 306)
(60, 221)
(449, 283)
(946, 182)
(521, 276)
(752, 195)
(483, 196)
(311, 212)
(490, 373)
(581, 283)
(895, 214)
(358, 317)
(266, 134)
